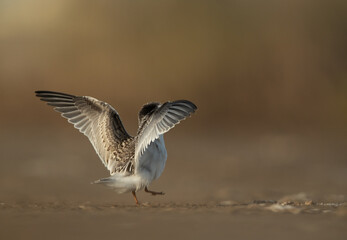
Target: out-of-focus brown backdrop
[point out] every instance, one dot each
(269, 79)
(274, 63)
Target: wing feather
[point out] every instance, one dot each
(161, 121)
(97, 120)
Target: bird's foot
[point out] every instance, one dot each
(135, 198)
(153, 192)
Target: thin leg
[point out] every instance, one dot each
(134, 194)
(153, 193)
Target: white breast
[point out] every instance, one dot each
(153, 159)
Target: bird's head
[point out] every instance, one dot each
(147, 110)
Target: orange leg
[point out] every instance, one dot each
(134, 194)
(153, 193)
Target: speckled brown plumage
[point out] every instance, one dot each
(101, 123)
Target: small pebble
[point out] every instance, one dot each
(226, 203)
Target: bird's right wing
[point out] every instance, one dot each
(97, 120)
(161, 121)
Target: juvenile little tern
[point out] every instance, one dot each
(133, 162)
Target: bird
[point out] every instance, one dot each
(133, 161)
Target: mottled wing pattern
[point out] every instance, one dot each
(100, 122)
(162, 120)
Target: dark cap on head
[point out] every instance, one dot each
(148, 109)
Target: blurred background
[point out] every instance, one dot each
(269, 79)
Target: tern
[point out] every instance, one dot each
(133, 162)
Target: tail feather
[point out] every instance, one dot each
(121, 183)
(102, 181)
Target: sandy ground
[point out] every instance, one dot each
(259, 186)
(172, 220)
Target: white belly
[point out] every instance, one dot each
(153, 159)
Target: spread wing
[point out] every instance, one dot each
(162, 120)
(100, 122)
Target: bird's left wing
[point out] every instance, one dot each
(99, 121)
